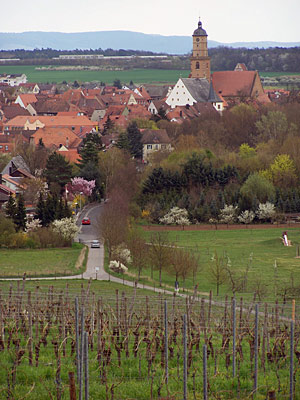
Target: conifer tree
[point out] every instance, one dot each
(11, 208)
(20, 219)
(41, 210)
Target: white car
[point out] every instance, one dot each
(95, 244)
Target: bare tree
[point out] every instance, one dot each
(138, 249)
(113, 222)
(160, 252)
(217, 270)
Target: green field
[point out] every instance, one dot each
(257, 249)
(136, 75)
(40, 262)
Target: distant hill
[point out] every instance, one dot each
(115, 40)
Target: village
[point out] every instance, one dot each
(34, 113)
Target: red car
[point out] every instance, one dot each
(86, 221)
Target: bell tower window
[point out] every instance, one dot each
(197, 65)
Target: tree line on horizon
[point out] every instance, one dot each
(273, 59)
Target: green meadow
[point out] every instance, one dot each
(136, 75)
(271, 266)
(41, 262)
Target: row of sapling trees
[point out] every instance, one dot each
(127, 249)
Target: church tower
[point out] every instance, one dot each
(200, 62)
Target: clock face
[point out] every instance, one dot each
(197, 40)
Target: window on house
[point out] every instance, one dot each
(163, 146)
(1, 147)
(149, 146)
(6, 148)
(219, 106)
(73, 128)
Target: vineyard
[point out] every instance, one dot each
(67, 344)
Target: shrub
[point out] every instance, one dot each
(228, 214)
(18, 240)
(66, 227)
(122, 254)
(266, 211)
(117, 266)
(246, 217)
(176, 216)
(7, 229)
(46, 237)
(33, 225)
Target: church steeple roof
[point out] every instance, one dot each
(200, 31)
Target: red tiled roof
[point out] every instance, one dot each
(233, 83)
(80, 120)
(54, 137)
(28, 98)
(71, 155)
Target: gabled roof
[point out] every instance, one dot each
(51, 105)
(6, 189)
(48, 120)
(28, 98)
(13, 111)
(152, 136)
(15, 163)
(199, 89)
(70, 154)
(234, 83)
(55, 137)
(156, 91)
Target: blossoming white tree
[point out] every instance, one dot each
(33, 225)
(265, 211)
(117, 266)
(176, 216)
(122, 254)
(246, 217)
(65, 227)
(228, 214)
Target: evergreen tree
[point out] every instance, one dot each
(67, 212)
(134, 140)
(108, 126)
(41, 210)
(122, 142)
(11, 208)
(20, 219)
(58, 171)
(92, 144)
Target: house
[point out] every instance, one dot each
(189, 91)
(26, 101)
(11, 177)
(78, 124)
(8, 112)
(13, 79)
(180, 114)
(55, 138)
(155, 92)
(29, 87)
(240, 67)
(235, 86)
(156, 105)
(155, 140)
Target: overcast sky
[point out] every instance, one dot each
(224, 21)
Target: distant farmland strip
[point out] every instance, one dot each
(136, 75)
